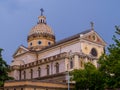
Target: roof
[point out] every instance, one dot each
(73, 37)
(40, 29)
(68, 39)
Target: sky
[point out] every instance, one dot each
(65, 17)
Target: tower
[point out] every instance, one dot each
(41, 35)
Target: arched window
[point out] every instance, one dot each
(48, 68)
(31, 70)
(57, 67)
(41, 20)
(71, 64)
(24, 74)
(39, 71)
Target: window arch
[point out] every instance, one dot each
(48, 69)
(57, 67)
(31, 70)
(39, 71)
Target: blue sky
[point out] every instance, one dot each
(66, 17)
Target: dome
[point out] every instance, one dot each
(41, 35)
(41, 28)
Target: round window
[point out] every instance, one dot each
(30, 44)
(49, 43)
(94, 52)
(39, 42)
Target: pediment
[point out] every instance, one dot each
(94, 37)
(20, 51)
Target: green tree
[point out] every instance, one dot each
(88, 78)
(110, 63)
(4, 69)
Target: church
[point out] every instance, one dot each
(44, 64)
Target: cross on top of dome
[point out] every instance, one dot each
(42, 10)
(42, 18)
(92, 25)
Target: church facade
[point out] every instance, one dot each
(45, 63)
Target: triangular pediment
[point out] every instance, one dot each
(94, 37)
(21, 49)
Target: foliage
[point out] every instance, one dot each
(88, 78)
(110, 64)
(4, 69)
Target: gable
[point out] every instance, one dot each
(20, 51)
(94, 37)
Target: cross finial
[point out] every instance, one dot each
(42, 10)
(92, 25)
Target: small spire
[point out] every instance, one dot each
(42, 10)
(92, 25)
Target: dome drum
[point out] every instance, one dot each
(39, 36)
